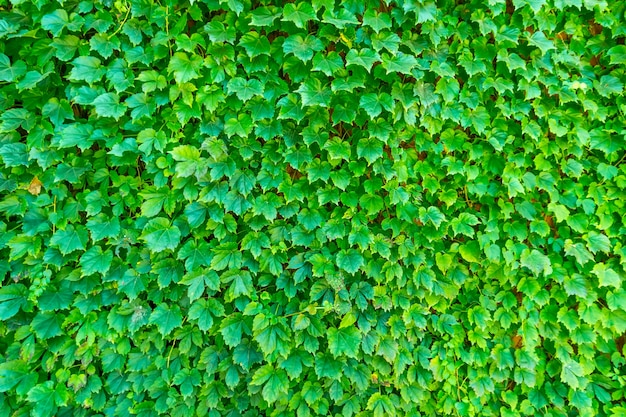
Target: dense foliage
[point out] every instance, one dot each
(371, 208)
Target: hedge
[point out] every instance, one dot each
(325, 208)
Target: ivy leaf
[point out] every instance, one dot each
(463, 224)
(166, 318)
(255, 44)
(12, 298)
(617, 54)
(86, 68)
(47, 325)
(44, 397)
(374, 103)
(381, 405)
(607, 276)
(540, 40)
(377, 21)
(470, 251)
(302, 47)
(274, 381)
(369, 148)
(70, 239)
(578, 251)
(95, 260)
(349, 260)
(265, 16)
(597, 242)
(299, 14)
(203, 312)
(12, 373)
(11, 72)
(344, 341)
(185, 68)
(433, 215)
(364, 57)
(245, 89)
(55, 22)
(241, 126)
(329, 63)
(160, 235)
(108, 105)
(314, 93)
(571, 372)
(536, 261)
(398, 62)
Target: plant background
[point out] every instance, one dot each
(369, 208)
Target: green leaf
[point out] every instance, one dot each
(463, 224)
(12, 373)
(608, 85)
(381, 405)
(203, 312)
(536, 261)
(617, 54)
(373, 204)
(571, 372)
(108, 105)
(329, 63)
(607, 276)
(12, 298)
(241, 126)
(374, 104)
(350, 260)
(377, 21)
(86, 68)
(265, 16)
(167, 318)
(302, 47)
(314, 93)
(448, 88)
(540, 40)
(160, 235)
(55, 22)
(70, 239)
(398, 62)
(245, 89)
(11, 72)
(185, 68)
(597, 242)
(95, 260)
(433, 215)
(470, 251)
(364, 57)
(255, 44)
(298, 13)
(47, 325)
(43, 396)
(578, 251)
(369, 148)
(344, 341)
(274, 381)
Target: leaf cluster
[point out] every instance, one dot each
(354, 208)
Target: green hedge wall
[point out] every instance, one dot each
(325, 208)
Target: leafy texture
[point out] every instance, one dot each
(312, 208)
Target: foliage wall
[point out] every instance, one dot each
(346, 208)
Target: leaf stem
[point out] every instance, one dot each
(123, 22)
